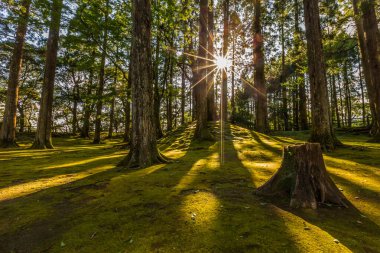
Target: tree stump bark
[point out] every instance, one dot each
(304, 177)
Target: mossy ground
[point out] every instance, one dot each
(75, 199)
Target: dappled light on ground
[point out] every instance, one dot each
(76, 197)
(20, 190)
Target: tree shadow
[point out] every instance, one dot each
(103, 203)
(220, 211)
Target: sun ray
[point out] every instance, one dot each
(203, 78)
(251, 85)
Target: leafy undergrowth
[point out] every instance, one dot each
(75, 199)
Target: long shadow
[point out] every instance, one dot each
(266, 146)
(222, 213)
(110, 201)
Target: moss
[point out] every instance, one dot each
(78, 201)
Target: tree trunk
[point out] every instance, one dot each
(364, 113)
(99, 92)
(261, 124)
(335, 101)
(200, 87)
(143, 151)
(8, 128)
(127, 106)
(211, 109)
(85, 133)
(157, 97)
(296, 126)
(75, 104)
(284, 88)
(370, 27)
(170, 88)
(224, 102)
(21, 111)
(183, 91)
(347, 95)
(112, 110)
(45, 118)
(365, 63)
(322, 131)
(233, 106)
(304, 177)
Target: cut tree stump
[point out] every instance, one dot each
(303, 177)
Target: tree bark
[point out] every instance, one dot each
(322, 131)
(261, 121)
(224, 101)
(200, 87)
(143, 151)
(335, 101)
(347, 95)
(127, 106)
(157, 97)
(85, 133)
(304, 177)
(45, 118)
(112, 110)
(284, 88)
(8, 128)
(99, 92)
(211, 109)
(365, 62)
(370, 27)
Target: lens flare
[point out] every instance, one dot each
(222, 62)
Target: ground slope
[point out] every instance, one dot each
(74, 199)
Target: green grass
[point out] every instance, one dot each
(74, 199)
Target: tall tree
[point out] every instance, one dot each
(226, 31)
(365, 63)
(8, 128)
(211, 109)
(371, 32)
(200, 88)
(143, 151)
(100, 89)
(261, 121)
(43, 135)
(322, 130)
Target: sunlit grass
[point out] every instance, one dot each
(76, 196)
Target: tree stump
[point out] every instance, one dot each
(304, 177)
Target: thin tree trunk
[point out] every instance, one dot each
(85, 133)
(211, 110)
(157, 98)
(226, 17)
(20, 108)
(284, 88)
(347, 95)
(261, 124)
(45, 118)
(112, 110)
(364, 113)
(233, 107)
(322, 131)
(335, 101)
(183, 91)
(143, 151)
(99, 92)
(127, 106)
(8, 128)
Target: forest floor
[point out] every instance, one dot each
(75, 199)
